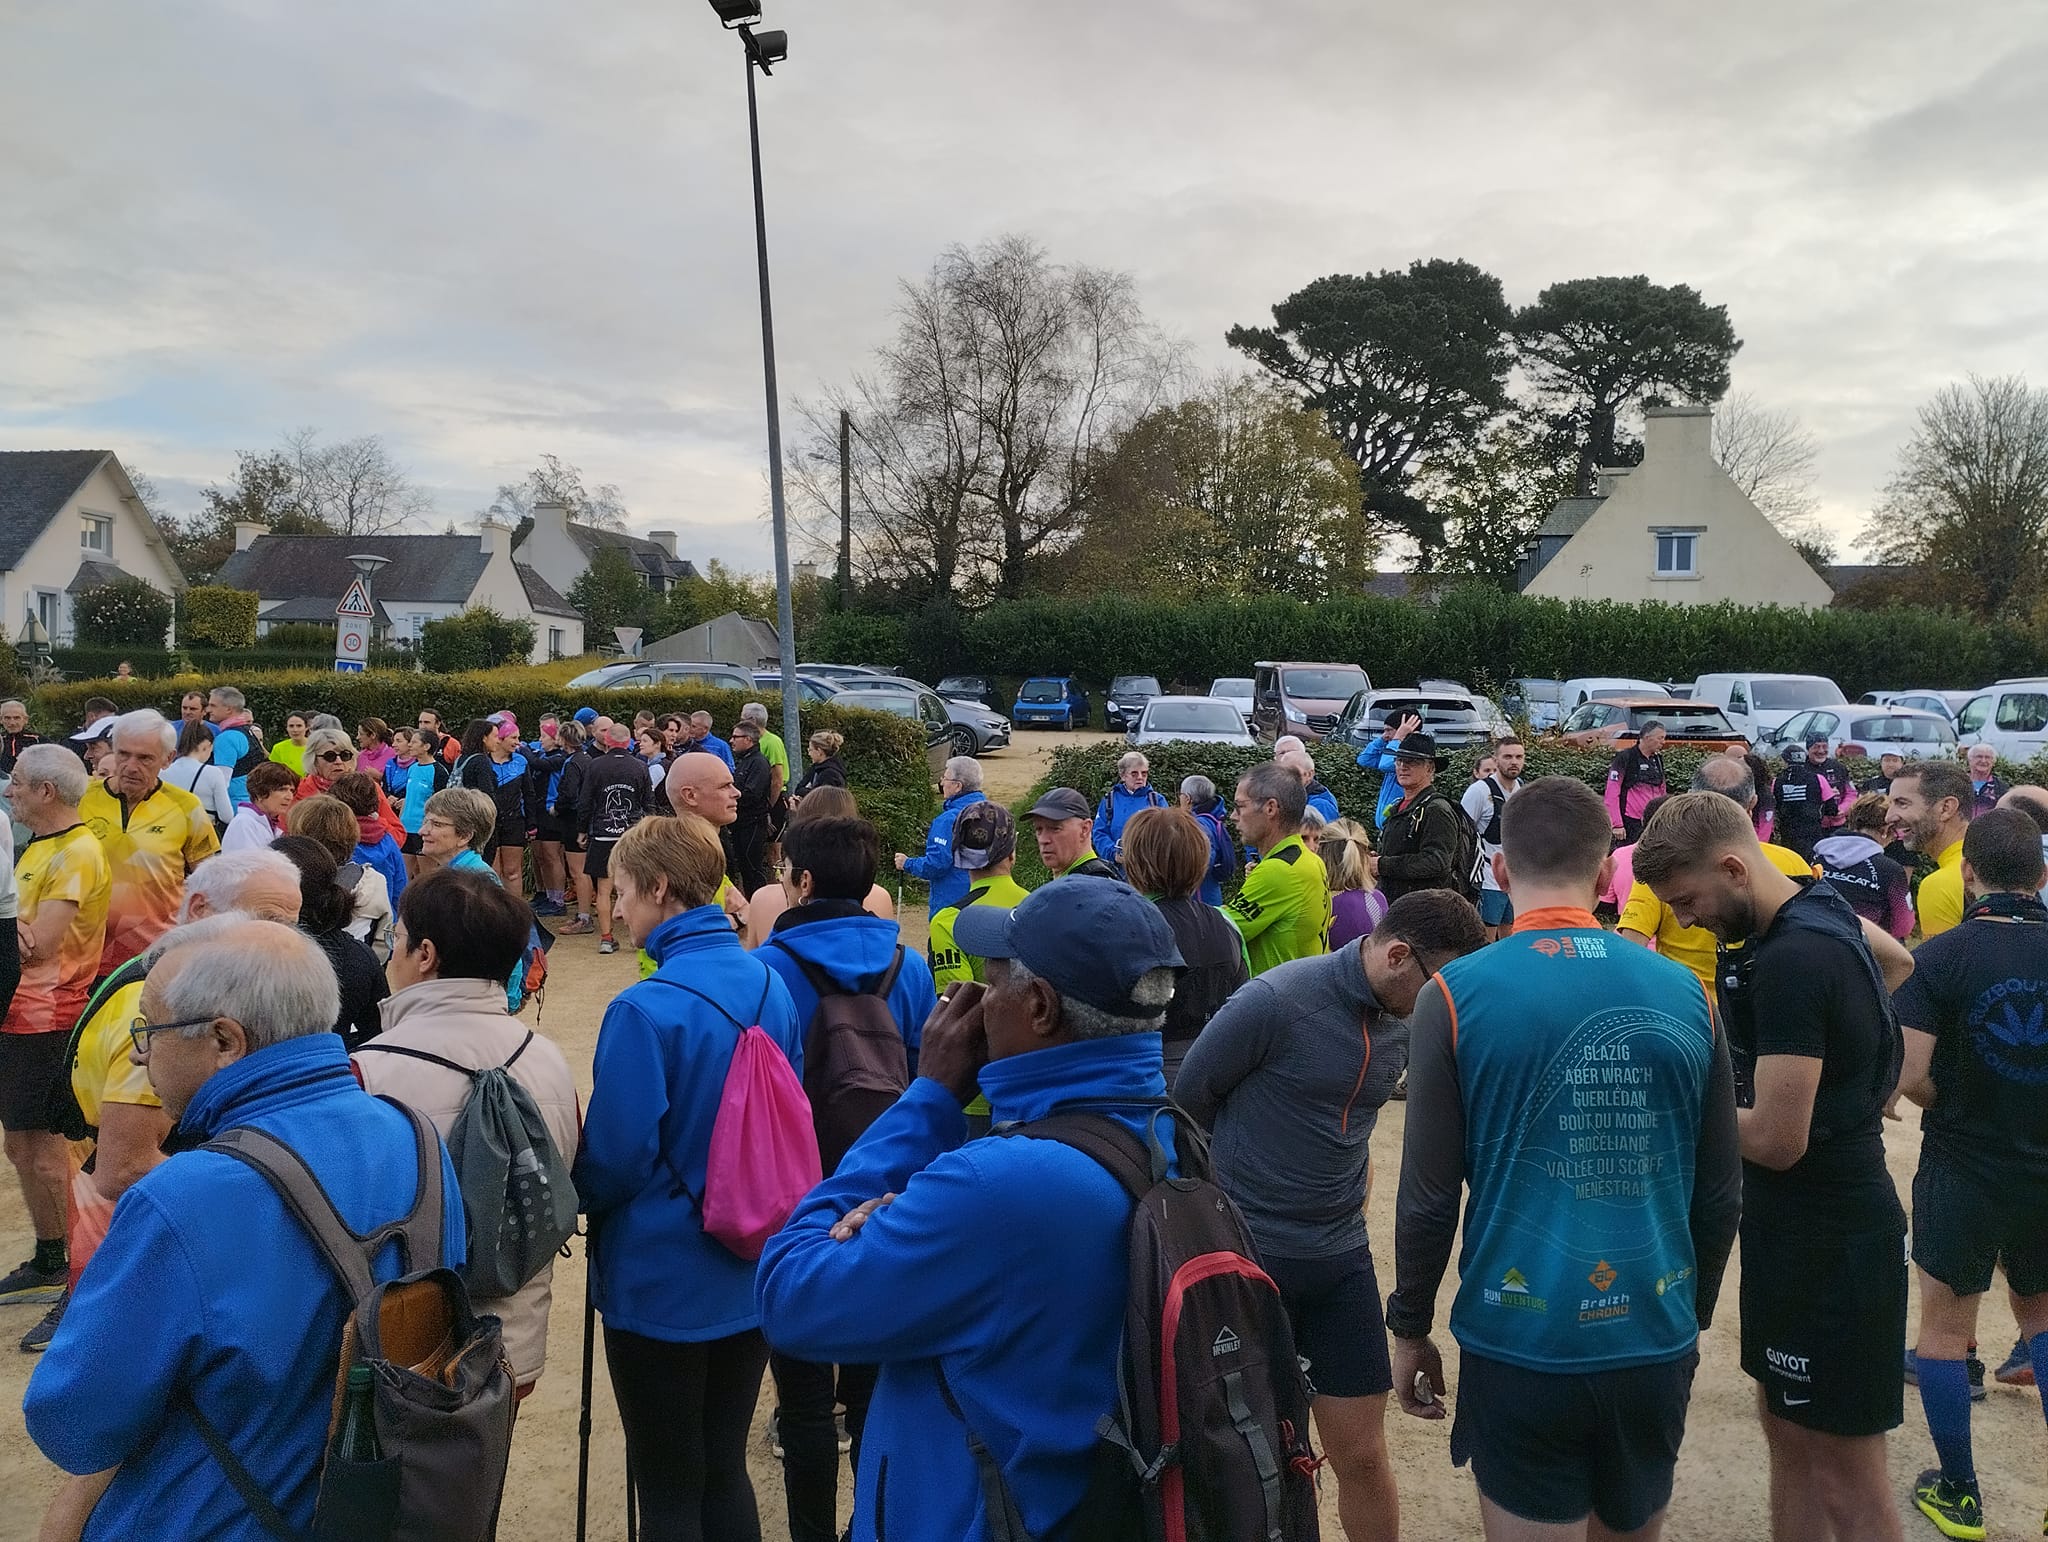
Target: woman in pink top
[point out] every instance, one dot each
(373, 746)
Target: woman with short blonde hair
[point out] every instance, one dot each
(675, 862)
(1356, 904)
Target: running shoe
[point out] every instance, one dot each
(1956, 1509)
(2018, 1371)
(37, 1339)
(1976, 1371)
(582, 926)
(775, 1434)
(548, 907)
(30, 1286)
(607, 945)
(839, 1427)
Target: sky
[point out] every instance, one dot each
(488, 231)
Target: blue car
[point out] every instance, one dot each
(1051, 701)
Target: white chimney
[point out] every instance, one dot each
(246, 531)
(1609, 478)
(497, 538)
(665, 539)
(1678, 433)
(550, 513)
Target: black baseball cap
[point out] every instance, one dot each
(1090, 938)
(1061, 803)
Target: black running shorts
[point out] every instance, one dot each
(1963, 1227)
(30, 1064)
(1555, 1447)
(1823, 1316)
(1340, 1327)
(598, 864)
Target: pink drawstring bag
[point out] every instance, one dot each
(764, 1145)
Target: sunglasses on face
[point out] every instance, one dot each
(337, 755)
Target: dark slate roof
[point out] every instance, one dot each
(1845, 577)
(320, 607)
(431, 569)
(34, 485)
(541, 595)
(645, 555)
(1388, 586)
(1568, 517)
(92, 573)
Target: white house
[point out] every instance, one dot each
(425, 577)
(1675, 528)
(70, 521)
(550, 543)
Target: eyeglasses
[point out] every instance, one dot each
(336, 755)
(141, 1028)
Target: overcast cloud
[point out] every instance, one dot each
(488, 231)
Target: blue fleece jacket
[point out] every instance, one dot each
(1215, 823)
(711, 744)
(207, 1286)
(409, 786)
(1324, 802)
(385, 857)
(949, 883)
(1379, 756)
(852, 948)
(1114, 812)
(1003, 1260)
(662, 1055)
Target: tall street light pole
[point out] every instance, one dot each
(764, 50)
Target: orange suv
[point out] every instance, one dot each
(1611, 723)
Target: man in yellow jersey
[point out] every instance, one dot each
(1644, 916)
(62, 880)
(154, 834)
(1065, 826)
(1930, 811)
(984, 845)
(1283, 907)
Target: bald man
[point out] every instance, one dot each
(700, 783)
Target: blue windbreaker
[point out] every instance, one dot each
(852, 948)
(409, 787)
(1114, 812)
(711, 744)
(1379, 756)
(206, 1285)
(662, 1055)
(385, 857)
(1324, 802)
(1003, 1260)
(1222, 854)
(949, 883)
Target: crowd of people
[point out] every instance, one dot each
(1606, 1113)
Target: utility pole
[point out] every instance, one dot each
(845, 509)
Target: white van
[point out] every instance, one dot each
(1757, 703)
(2011, 717)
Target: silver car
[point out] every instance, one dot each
(1238, 690)
(1205, 719)
(1871, 731)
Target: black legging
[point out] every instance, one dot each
(810, 1443)
(687, 1409)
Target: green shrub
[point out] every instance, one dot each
(93, 663)
(479, 638)
(853, 637)
(126, 613)
(219, 617)
(300, 637)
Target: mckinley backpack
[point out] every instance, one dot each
(855, 1062)
(441, 1389)
(1209, 1438)
(516, 1189)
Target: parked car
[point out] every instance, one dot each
(1944, 702)
(633, 675)
(922, 707)
(1576, 693)
(2011, 717)
(1612, 724)
(1539, 700)
(1164, 719)
(1237, 690)
(1301, 698)
(1455, 718)
(966, 688)
(976, 729)
(1757, 703)
(838, 671)
(809, 687)
(1051, 701)
(1126, 699)
(1872, 731)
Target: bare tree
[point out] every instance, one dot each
(354, 486)
(555, 480)
(1969, 501)
(1771, 456)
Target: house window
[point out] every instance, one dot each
(554, 643)
(49, 611)
(418, 620)
(1677, 553)
(96, 534)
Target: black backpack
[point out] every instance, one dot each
(1209, 1441)
(442, 1391)
(516, 1190)
(1465, 860)
(62, 1113)
(855, 1063)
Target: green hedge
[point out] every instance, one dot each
(87, 663)
(1475, 634)
(478, 638)
(219, 617)
(885, 756)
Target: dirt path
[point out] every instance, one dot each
(1721, 1477)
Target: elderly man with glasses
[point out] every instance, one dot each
(226, 1314)
(154, 834)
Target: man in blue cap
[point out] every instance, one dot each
(988, 1274)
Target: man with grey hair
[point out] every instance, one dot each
(237, 746)
(1283, 908)
(1198, 796)
(773, 750)
(62, 883)
(959, 785)
(1079, 976)
(154, 834)
(1985, 781)
(14, 733)
(702, 738)
(227, 1315)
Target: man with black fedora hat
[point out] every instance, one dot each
(1425, 838)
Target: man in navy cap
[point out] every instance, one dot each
(988, 1274)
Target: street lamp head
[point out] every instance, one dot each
(736, 13)
(769, 48)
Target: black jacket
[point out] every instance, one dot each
(11, 746)
(829, 772)
(1420, 844)
(1213, 951)
(1802, 800)
(754, 777)
(613, 795)
(363, 986)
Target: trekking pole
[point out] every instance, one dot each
(589, 1352)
